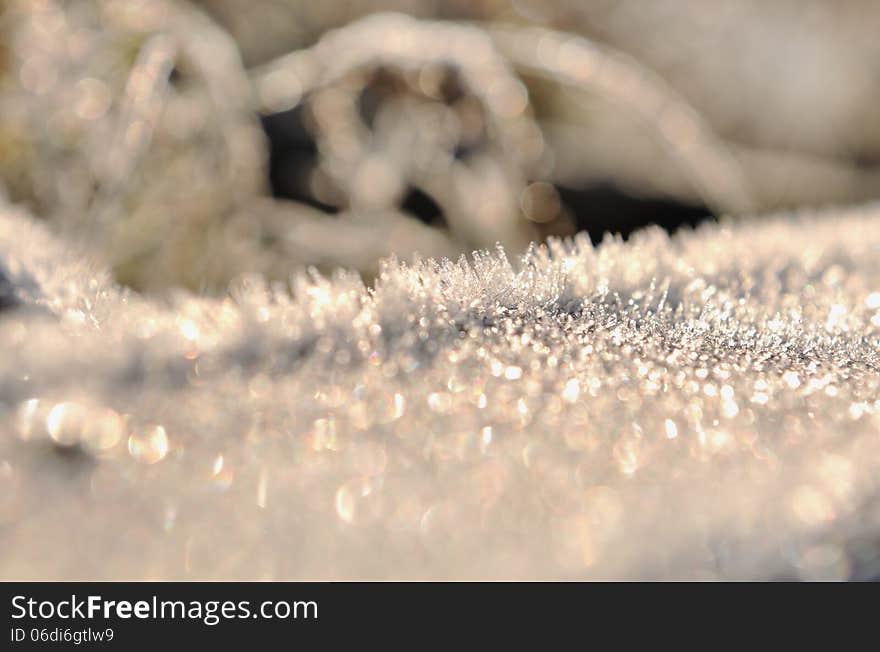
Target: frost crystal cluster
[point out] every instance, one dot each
(701, 406)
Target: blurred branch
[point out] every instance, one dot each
(567, 59)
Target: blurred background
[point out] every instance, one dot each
(186, 143)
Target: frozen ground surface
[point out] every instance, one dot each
(704, 406)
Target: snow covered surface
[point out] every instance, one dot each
(701, 406)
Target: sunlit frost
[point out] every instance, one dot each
(665, 407)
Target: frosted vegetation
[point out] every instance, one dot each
(133, 128)
(698, 406)
(701, 406)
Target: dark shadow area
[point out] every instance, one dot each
(420, 205)
(292, 157)
(604, 209)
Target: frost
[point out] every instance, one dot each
(701, 406)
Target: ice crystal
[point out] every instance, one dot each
(700, 406)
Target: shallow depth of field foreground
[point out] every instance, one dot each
(703, 406)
